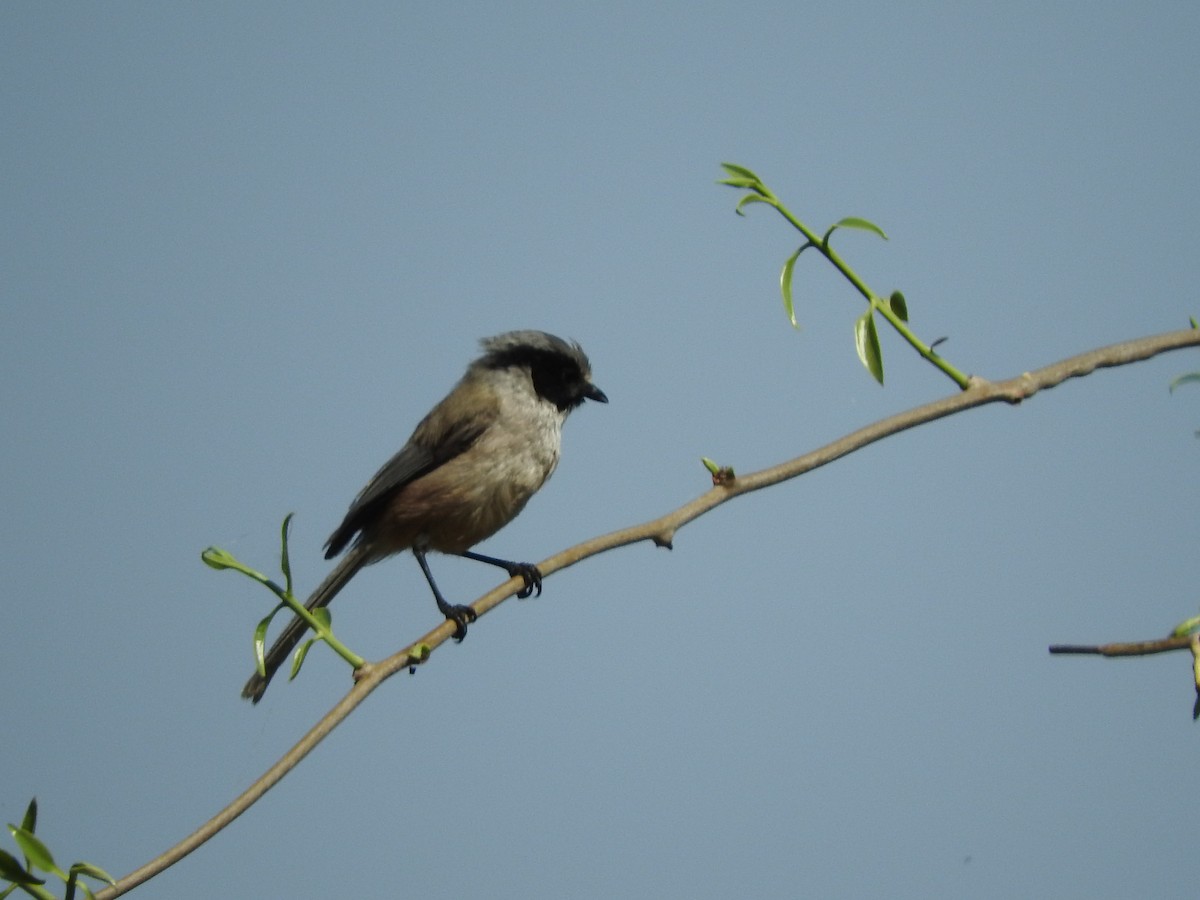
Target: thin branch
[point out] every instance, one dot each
(662, 532)
(1126, 648)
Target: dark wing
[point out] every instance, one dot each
(435, 442)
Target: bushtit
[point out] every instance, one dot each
(468, 469)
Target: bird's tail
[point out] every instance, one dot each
(294, 633)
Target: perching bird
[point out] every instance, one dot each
(468, 469)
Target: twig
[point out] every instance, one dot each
(1126, 648)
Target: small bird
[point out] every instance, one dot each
(467, 471)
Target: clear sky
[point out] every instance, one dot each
(246, 246)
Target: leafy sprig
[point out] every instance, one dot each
(893, 308)
(319, 620)
(38, 858)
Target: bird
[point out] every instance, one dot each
(468, 469)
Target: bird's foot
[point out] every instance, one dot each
(461, 616)
(533, 578)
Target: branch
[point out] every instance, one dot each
(1124, 648)
(661, 531)
(1144, 648)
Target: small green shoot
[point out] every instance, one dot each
(894, 309)
(318, 620)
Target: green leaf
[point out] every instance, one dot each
(747, 200)
(29, 884)
(12, 870)
(899, 305)
(90, 871)
(260, 641)
(861, 224)
(740, 182)
(35, 851)
(298, 658)
(866, 342)
(712, 467)
(1186, 627)
(785, 283)
(284, 563)
(1189, 378)
(216, 558)
(1192, 319)
(36, 890)
(739, 171)
(323, 615)
(29, 823)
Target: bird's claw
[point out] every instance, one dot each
(461, 616)
(533, 579)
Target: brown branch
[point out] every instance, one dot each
(1143, 648)
(662, 532)
(1126, 648)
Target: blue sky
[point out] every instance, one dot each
(246, 246)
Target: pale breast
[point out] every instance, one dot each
(484, 489)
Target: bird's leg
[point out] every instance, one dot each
(461, 616)
(528, 571)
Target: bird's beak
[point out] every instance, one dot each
(592, 392)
